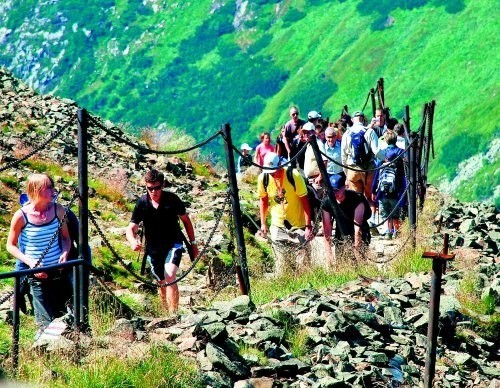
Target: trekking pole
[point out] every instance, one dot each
(331, 195)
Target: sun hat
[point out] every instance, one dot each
(245, 146)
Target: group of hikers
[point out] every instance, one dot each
(364, 161)
(351, 149)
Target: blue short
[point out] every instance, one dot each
(157, 264)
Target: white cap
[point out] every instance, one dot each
(308, 127)
(245, 146)
(273, 160)
(313, 115)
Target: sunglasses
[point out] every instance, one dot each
(295, 114)
(153, 188)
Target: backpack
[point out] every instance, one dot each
(312, 195)
(359, 146)
(387, 182)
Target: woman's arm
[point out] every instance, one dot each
(16, 226)
(65, 237)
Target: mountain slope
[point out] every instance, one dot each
(196, 65)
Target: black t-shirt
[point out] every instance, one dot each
(347, 209)
(161, 225)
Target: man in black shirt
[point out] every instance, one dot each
(160, 211)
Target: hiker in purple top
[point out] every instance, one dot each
(290, 131)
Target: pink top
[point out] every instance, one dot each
(261, 151)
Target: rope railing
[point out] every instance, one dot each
(287, 163)
(181, 276)
(146, 150)
(37, 149)
(401, 156)
(366, 102)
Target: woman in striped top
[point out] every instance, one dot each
(32, 229)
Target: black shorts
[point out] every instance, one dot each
(157, 263)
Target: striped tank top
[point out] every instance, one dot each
(34, 239)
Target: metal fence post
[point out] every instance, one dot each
(374, 105)
(15, 323)
(83, 235)
(438, 267)
(242, 269)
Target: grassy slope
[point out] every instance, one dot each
(318, 55)
(427, 54)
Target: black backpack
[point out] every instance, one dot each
(359, 146)
(312, 195)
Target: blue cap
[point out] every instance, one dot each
(337, 181)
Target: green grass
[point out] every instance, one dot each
(160, 367)
(264, 291)
(483, 310)
(157, 366)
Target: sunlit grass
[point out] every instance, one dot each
(266, 290)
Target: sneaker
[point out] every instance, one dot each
(394, 233)
(387, 235)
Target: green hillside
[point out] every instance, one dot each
(196, 65)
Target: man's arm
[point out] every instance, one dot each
(188, 225)
(285, 141)
(358, 218)
(307, 215)
(263, 207)
(131, 233)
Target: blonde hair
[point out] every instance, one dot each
(36, 183)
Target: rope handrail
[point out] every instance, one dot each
(181, 276)
(370, 169)
(146, 150)
(34, 151)
(293, 159)
(366, 102)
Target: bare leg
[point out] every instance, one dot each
(162, 292)
(327, 235)
(172, 292)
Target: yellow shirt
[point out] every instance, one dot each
(290, 206)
